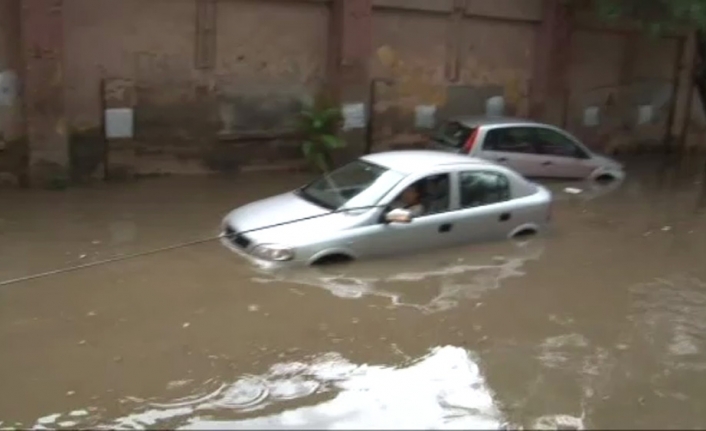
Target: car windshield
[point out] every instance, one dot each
(453, 134)
(361, 181)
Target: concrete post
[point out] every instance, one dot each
(13, 142)
(349, 60)
(43, 45)
(551, 59)
(685, 94)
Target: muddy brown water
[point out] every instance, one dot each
(600, 323)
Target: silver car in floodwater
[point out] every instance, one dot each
(387, 204)
(533, 149)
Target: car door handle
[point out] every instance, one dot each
(505, 217)
(446, 227)
(501, 159)
(547, 163)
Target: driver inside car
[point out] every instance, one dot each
(410, 200)
(436, 196)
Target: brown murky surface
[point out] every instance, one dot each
(602, 323)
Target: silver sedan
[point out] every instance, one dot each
(533, 149)
(386, 204)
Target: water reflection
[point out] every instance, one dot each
(442, 390)
(439, 281)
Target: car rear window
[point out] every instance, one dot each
(453, 134)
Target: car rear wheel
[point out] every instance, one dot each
(524, 234)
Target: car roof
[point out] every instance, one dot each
(475, 121)
(410, 161)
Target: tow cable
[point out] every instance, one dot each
(171, 247)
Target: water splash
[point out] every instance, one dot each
(464, 278)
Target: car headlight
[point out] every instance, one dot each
(277, 253)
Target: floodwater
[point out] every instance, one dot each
(601, 323)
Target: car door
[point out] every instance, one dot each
(561, 156)
(513, 146)
(431, 229)
(485, 208)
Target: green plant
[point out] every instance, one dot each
(655, 16)
(319, 123)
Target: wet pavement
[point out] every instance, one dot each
(601, 323)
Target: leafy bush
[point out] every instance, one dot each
(319, 123)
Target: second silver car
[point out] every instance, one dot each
(533, 149)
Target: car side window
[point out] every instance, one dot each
(482, 188)
(427, 196)
(553, 143)
(510, 140)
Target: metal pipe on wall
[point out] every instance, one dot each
(372, 101)
(671, 113)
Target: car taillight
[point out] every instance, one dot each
(470, 142)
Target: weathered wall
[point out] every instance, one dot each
(10, 126)
(220, 81)
(271, 55)
(410, 49)
(618, 73)
(151, 42)
(454, 55)
(12, 143)
(594, 76)
(267, 57)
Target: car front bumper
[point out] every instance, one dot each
(260, 263)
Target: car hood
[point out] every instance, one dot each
(288, 219)
(284, 208)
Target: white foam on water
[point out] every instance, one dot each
(48, 419)
(457, 281)
(558, 422)
(443, 390)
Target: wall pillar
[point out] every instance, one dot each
(350, 52)
(552, 59)
(11, 126)
(13, 145)
(684, 98)
(43, 47)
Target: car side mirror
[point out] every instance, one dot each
(398, 215)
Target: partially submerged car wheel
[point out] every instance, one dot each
(332, 259)
(525, 234)
(604, 179)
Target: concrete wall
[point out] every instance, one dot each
(457, 55)
(452, 56)
(268, 57)
(216, 83)
(618, 73)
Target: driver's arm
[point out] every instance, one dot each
(416, 210)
